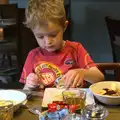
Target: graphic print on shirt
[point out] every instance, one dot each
(69, 61)
(47, 72)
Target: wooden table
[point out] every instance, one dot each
(24, 114)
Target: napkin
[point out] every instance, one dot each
(89, 96)
(52, 94)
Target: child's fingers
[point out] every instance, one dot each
(65, 79)
(33, 75)
(79, 82)
(40, 77)
(32, 78)
(69, 81)
(75, 81)
(29, 82)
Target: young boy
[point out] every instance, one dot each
(55, 59)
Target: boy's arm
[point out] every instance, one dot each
(27, 69)
(28, 77)
(92, 73)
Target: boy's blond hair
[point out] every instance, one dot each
(40, 12)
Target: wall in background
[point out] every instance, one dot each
(89, 26)
(21, 3)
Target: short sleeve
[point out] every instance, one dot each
(84, 59)
(27, 69)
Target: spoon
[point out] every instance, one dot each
(35, 110)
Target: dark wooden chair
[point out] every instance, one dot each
(107, 68)
(111, 71)
(113, 27)
(26, 40)
(9, 24)
(67, 34)
(8, 45)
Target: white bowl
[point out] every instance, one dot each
(109, 100)
(13, 95)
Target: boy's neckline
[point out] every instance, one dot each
(46, 53)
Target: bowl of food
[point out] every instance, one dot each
(107, 92)
(6, 110)
(15, 96)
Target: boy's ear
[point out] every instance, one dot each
(66, 24)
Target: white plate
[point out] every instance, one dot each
(51, 94)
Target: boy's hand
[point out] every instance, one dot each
(32, 80)
(74, 78)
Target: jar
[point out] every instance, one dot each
(94, 112)
(6, 110)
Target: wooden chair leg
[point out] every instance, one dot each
(3, 60)
(9, 60)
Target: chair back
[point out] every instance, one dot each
(9, 41)
(113, 27)
(9, 12)
(67, 34)
(27, 41)
(110, 70)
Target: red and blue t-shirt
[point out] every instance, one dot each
(50, 66)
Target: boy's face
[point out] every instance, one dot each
(49, 36)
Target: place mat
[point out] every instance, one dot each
(51, 94)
